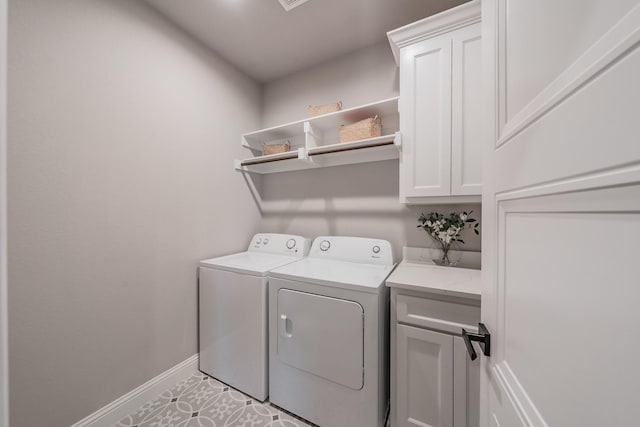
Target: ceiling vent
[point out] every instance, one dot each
(290, 4)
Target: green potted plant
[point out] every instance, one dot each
(446, 230)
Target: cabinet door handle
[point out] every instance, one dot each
(483, 337)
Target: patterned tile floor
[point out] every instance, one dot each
(201, 401)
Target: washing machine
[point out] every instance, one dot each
(329, 334)
(233, 322)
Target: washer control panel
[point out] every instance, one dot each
(353, 249)
(283, 244)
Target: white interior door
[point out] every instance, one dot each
(561, 210)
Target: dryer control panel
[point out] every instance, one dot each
(352, 249)
(281, 244)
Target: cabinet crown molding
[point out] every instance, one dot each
(457, 17)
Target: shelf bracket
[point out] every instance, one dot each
(313, 137)
(238, 165)
(397, 141)
(303, 155)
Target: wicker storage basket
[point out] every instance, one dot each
(316, 110)
(275, 148)
(367, 128)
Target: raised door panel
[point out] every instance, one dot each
(541, 39)
(425, 118)
(466, 387)
(590, 267)
(466, 117)
(424, 363)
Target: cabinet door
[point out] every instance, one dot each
(466, 387)
(466, 111)
(424, 363)
(425, 118)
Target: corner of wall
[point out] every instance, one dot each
(4, 355)
(365, 75)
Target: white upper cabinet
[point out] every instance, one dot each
(440, 106)
(466, 108)
(425, 118)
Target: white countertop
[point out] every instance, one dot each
(427, 277)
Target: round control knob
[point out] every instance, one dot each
(376, 249)
(265, 241)
(325, 245)
(258, 240)
(291, 243)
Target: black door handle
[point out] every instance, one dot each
(483, 337)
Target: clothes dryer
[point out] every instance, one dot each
(328, 326)
(233, 318)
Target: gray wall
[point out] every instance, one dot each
(4, 332)
(364, 76)
(355, 200)
(122, 134)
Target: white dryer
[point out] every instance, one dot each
(328, 328)
(233, 328)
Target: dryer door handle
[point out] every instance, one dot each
(286, 326)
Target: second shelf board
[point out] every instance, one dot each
(352, 145)
(284, 165)
(363, 151)
(270, 158)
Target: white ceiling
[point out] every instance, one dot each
(263, 40)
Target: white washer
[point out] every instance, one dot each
(328, 328)
(233, 311)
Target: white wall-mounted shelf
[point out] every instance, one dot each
(281, 162)
(363, 151)
(314, 141)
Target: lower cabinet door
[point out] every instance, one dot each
(466, 387)
(424, 363)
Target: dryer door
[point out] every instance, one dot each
(322, 335)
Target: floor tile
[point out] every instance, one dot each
(202, 401)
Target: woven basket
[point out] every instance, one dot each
(275, 148)
(317, 110)
(367, 128)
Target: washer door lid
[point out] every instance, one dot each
(321, 335)
(253, 263)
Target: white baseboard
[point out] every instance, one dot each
(128, 403)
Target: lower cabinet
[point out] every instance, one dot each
(425, 377)
(435, 383)
(466, 387)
